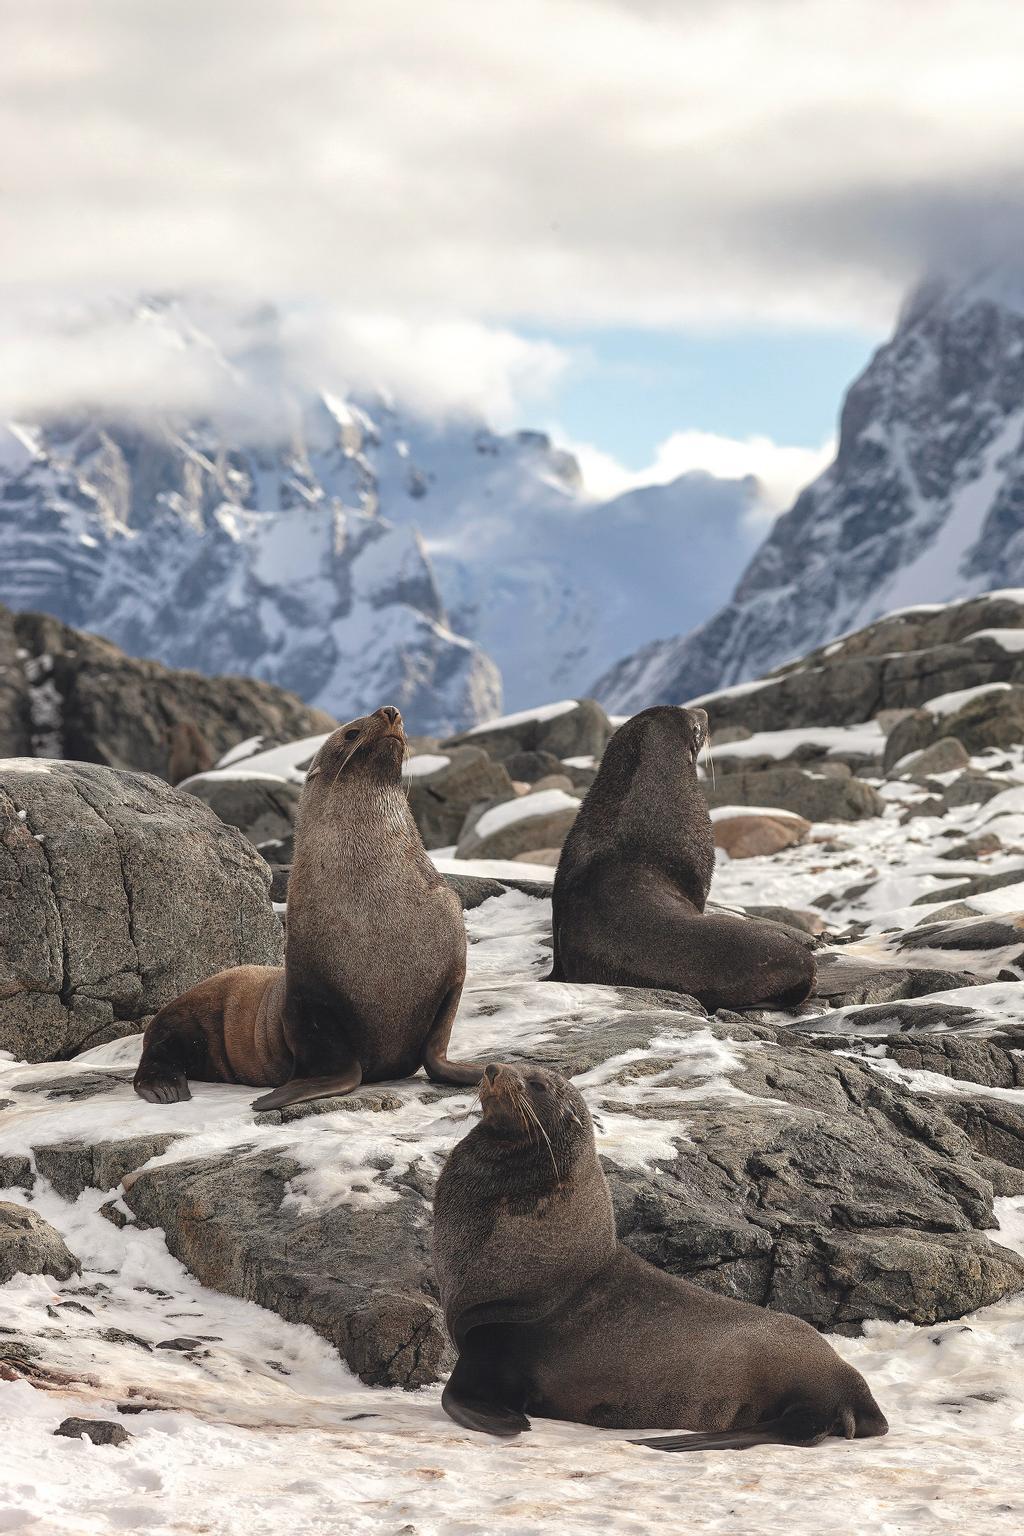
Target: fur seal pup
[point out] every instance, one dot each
(375, 956)
(552, 1316)
(633, 879)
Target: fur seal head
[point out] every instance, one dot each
(534, 1115)
(370, 748)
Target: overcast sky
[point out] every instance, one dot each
(566, 211)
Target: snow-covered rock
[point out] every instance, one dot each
(924, 502)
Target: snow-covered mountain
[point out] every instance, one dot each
(345, 548)
(923, 503)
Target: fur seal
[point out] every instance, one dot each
(375, 957)
(633, 880)
(552, 1316)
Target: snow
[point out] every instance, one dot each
(285, 764)
(545, 802)
(727, 812)
(950, 703)
(423, 763)
(868, 739)
(490, 869)
(1011, 640)
(523, 716)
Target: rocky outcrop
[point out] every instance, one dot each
(85, 700)
(508, 828)
(993, 717)
(744, 836)
(574, 729)
(443, 788)
(116, 894)
(30, 1246)
(360, 1277)
(922, 503)
(815, 797)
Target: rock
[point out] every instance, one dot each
(504, 829)
(792, 917)
(981, 846)
(582, 731)
(560, 781)
(943, 756)
(528, 767)
(114, 709)
(582, 773)
(546, 856)
(15, 716)
(441, 799)
(845, 978)
(72, 1166)
(78, 1085)
(803, 794)
(474, 890)
(116, 894)
(262, 809)
(991, 718)
(972, 788)
(324, 1270)
(16, 1172)
(99, 1431)
(745, 836)
(974, 885)
(30, 1246)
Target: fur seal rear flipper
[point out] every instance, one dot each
(375, 958)
(552, 1316)
(633, 878)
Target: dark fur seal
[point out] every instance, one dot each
(633, 879)
(552, 1316)
(375, 956)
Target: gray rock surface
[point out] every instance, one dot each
(116, 894)
(547, 829)
(580, 732)
(94, 704)
(440, 801)
(30, 1246)
(361, 1277)
(262, 809)
(99, 1431)
(994, 718)
(812, 796)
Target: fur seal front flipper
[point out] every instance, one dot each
(633, 879)
(552, 1316)
(375, 957)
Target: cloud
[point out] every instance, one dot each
(781, 471)
(569, 161)
(250, 364)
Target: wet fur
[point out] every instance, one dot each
(553, 1316)
(634, 875)
(375, 957)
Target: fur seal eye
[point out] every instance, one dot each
(351, 735)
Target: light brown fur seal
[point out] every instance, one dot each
(634, 875)
(552, 1316)
(375, 957)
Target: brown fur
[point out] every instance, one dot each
(552, 1316)
(634, 875)
(375, 956)
(189, 752)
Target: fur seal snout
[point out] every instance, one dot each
(552, 1316)
(634, 875)
(375, 957)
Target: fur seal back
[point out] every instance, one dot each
(633, 880)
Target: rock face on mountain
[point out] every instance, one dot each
(116, 894)
(924, 502)
(68, 694)
(360, 552)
